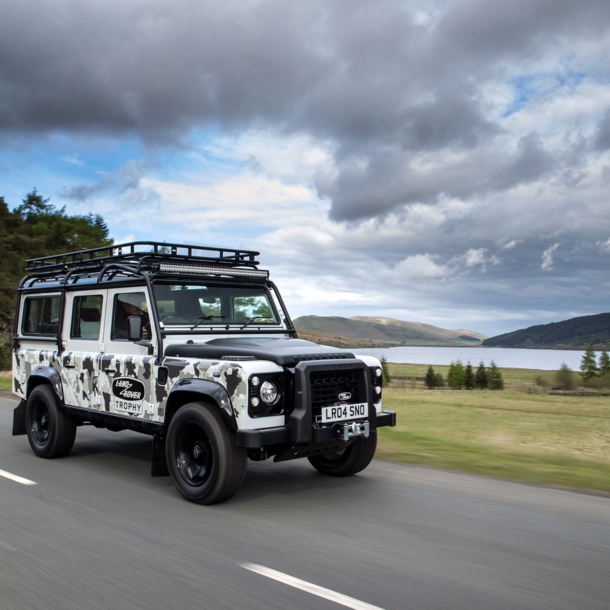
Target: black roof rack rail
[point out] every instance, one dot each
(142, 254)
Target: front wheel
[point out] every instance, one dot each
(354, 458)
(203, 460)
(51, 431)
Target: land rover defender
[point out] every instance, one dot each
(193, 346)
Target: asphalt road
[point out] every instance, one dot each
(97, 532)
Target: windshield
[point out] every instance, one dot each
(203, 305)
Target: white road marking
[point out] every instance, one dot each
(303, 585)
(16, 478)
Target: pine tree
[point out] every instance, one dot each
(440, 382)
(588, 365)
(385, 368)
(496, 381)
(604, 363)
(604, 368)
(430, 379)
(455, 376)
(469, 377)
(481, 379)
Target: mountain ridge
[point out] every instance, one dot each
(574, 333)
(376, 331)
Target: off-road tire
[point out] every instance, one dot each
(354, 458)
(205, 464)
(51, 431)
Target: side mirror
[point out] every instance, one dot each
(134, 328)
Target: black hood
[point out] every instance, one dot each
(285, 352)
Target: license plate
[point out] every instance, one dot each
(343, 412)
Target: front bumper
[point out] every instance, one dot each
(255, 439)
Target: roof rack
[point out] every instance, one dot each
(139, 252)
(142, 258)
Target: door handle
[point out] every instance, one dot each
(109, 370)
(69, 366)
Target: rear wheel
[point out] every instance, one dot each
(51, 432)
(203, 460)
(354, 458)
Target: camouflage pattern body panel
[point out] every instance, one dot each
(24, 363)
(231, 375)
(86, 385)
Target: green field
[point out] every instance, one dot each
(6, 383)
(521, 433)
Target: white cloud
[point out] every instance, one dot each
(420, 266)
(547, 257)
(475, 257)
(604, 245)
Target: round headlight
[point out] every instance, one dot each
(268, 392)
(378, 372)
(255, 381)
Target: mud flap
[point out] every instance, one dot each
(19, 419)
(158, 466)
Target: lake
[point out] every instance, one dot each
(545, 359)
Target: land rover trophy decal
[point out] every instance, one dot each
(128, 395)
(345, 396)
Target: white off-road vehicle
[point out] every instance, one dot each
(195, 347)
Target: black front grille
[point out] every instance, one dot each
(327, 385)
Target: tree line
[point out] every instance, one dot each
(33, 229)
(465, 377)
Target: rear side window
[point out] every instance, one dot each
(40, 316)
(86, 317)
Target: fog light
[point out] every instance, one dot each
(378, 372)
(377, 389)
(255, 381)
(254, 402)
(268, 392)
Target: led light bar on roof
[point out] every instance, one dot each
(196, 269)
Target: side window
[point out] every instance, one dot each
(86, 317)
(40, 316)
(125, 305)
(245, 308)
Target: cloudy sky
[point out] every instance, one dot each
(443, 162)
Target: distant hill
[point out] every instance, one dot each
(576, 333)
(380, 332)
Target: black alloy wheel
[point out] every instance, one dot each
(348, 461)
(51, 432)
(40, 423)
(203, 459)
(194, 455)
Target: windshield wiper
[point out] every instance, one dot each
(203, 319)
(252, 320)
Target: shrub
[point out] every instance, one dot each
(440, 382)
(541, 381)
(564, 378)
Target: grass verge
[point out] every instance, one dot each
(6, 383)
(533, 467)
